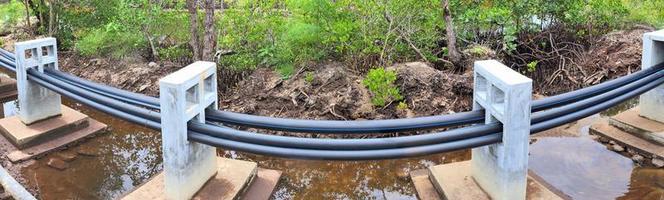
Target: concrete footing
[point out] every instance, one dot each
(28, 141)
(633, 131)
(454, 181)
(234, 179)
(652, 102)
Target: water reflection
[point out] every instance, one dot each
(383, 179)
(121, 159)
(128, 155)
(581, 167)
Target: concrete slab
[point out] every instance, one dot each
(423, 186)
(631, 122)
(454, 181)
(230, 182)
(640, 145)
(17, 155)
(23, 136)
(263, 185)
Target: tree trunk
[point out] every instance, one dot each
(27, 13)
(209, 39)
(51, 18)
(455, 56)
(193, 29)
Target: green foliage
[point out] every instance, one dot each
(113, 40)
(11, 13)
(175, 53)
(309, 77)
(649, 12)
(381, 84)
(402, 106)
(287, 34)
(285, 70)
(532, 66)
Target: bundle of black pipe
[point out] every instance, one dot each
(352, 148)
(346, 127)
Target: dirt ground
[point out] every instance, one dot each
(610, 56)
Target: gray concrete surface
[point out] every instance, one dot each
(36, 102)
(501, 169)
(184, 96)
(652, 102)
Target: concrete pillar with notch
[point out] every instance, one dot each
(184, 96)
(651, 103)
(501, 169)
(35, 102)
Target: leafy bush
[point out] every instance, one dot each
(112, 40)
(175, 53)
(309, 77)
(11, 13)
(381, 84)
(402, 106)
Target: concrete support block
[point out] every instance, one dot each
(651, 103)
(501, 169)
(36, 102)
(184, 96)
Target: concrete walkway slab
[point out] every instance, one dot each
(423, 186)
(23, 136)
(263, 185)
(631, 122)
(17, 155)
(230, 182)
(642, 146)
(454, 181)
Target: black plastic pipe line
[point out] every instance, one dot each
(351, 144)
(410, 151)
(296, 153)
(352, 155)
(410, 124)
(393, 125)
(414, 140)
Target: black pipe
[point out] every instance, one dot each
(334, 126)
(322, 126)
(416, 140)
(351, 155)
(411, 151)
(411, 124)
(354, 144)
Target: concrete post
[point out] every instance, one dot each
(501, 169)
(184, 96)
(36, 102)
(651, 103)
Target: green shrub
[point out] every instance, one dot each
(309, 77)
(112, 40)
(11, 13)
(380, 83)
(402, 106)
(532, 66)
(175, 53)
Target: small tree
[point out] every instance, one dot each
(205, 49)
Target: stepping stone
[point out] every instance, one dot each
(631, 122)
(23, 136)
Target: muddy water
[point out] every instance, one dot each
(128, 155)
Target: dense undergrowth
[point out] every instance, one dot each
(288, 35)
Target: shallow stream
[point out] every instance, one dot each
(128, 155)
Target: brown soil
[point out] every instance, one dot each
(132, 74)
(612, 55)
(337, 93)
